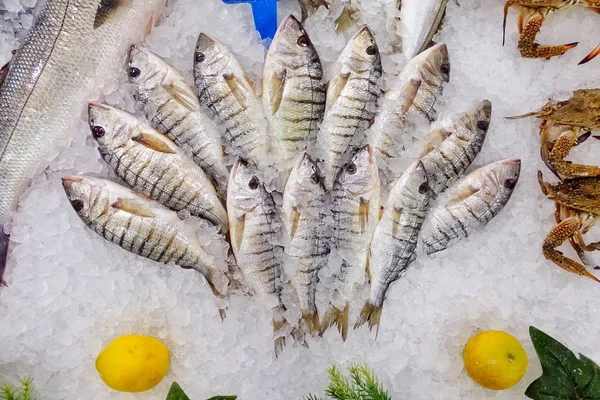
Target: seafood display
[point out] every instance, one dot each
(421, 19)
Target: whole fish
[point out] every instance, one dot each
(71, 48)
(355, 205)
(293, 94)
(225, 89)
(254, 227)
(141, 226)
(309, 7)
(351, 102)
(303, 202)
(452, 149)
(395, 240)
(417, 88)
(474, 202)
(421, 20)
(153, 165)
(173, 108)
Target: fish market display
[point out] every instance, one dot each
(395, 239)
(472, 203)
(452, 149)
(141, 226)
(417, 89)
(355, 205)
(225, 89)
(303, 202)
(293, 94)
(65, 44)
(421, 19)
(351, 102)
(151, 164)
(173, 108)
(254, 227)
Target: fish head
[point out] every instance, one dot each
(146, 70)
(305, 181)
(412, 187)
(210, 56)
(244, 191)
(361, 54)
(109, 126)
(89, 197)
(477, 118)
(361, 174)
(291, 46)
(437, 57)
(503, 175)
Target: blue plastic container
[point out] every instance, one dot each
(265, 15)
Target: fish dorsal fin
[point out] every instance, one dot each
(411, 88)
(294, 220)
(396, 220)
(238, 231)
(156, 141)
(363, 215)
(184, 96)
(240, 91)
(134, 207)
(107, 9)
(434, 139)
(276, 86)
(334, 89)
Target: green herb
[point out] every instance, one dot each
(24, 392)
(362, 385)
(177, 393)
(565, 377)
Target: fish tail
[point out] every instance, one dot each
(310, 322)
(4, 240)
(279, 322)
(338, 317)
(371, 314)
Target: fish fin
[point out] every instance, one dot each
(334, 89)
(371, 314)
(4, 241)
(294, 219)
(396, 221)
(277, 84)
(363, 215)
(156, 142)
(240, 91)
(368, 265)
(434, 139)
(279, 323)
(338, 317)
(133, 207)
(310, 322)
(594, 52)
(107, 9)
(381, 209)
(250, 83)
(460, 194)
(238, 231)
(184, 96)
(410, 93)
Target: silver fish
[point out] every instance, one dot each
(153, 165)
(421, 20)
(173, 108)
(452, 149)
(141, 226)
(254, 227)
(351, 102)
(225, 89)
(303, 202)
(395, 240)
(474, 202)
(72, 47)
(293, 94)
(417, 88)
(355, 207)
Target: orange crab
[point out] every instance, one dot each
(532, 16)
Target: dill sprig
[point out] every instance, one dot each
(361, 385)
(24, 392)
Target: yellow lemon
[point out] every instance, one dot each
(495, 359)
(133, 363)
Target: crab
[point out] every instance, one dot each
(532, 16)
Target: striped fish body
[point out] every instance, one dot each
(153, 165)
(225, 89)
(173, 108)
(472, 204)
(140, 225)
(457, 147)
(416, 89)
(421, 20)
(351, 103)
(293, 93)
(307, 249)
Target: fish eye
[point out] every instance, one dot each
(77, 205)
(445, 68)
(253, 184)
(351, 169)
(482, 125)
(510, 183)
(98, 131)
(303, 41)
(423, 188)
(200, 57)
(371, 50)
(134, 72)
(314, 179)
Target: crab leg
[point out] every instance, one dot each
(529, 49)
(555, 159)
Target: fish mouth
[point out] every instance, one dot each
(71, 179)
(510, 161)
(204, 41)
(101, 106)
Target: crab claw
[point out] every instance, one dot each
(590, 56)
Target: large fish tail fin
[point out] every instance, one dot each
(279, 323)
(4, 240)
(310, 322)
(338, 317)
(371, 314)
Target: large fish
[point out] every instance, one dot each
(173, 108)
(355, 206)
(293, 93)
(421, 20)
(303, 205)
(153, 165)
(141, 226)
(73, 46)
(395, 240)
(351, 103)
(472, 204)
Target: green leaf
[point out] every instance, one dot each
(565, 377)
(176, 393)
